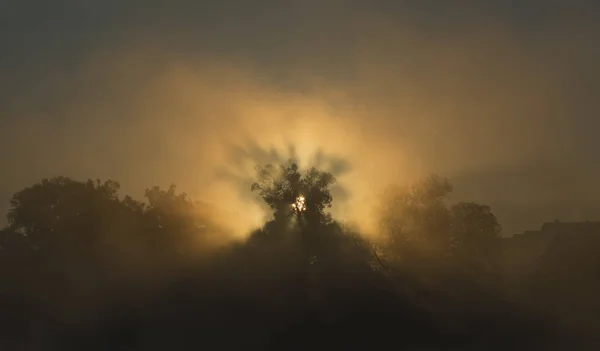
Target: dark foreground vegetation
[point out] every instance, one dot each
(84, 269)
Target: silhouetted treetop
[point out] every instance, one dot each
(415, 212)
(59, 204)
(418, 222)
(90, 269)
(281, 186)
(474, 224)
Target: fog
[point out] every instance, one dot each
(499, 97)
(383, 95)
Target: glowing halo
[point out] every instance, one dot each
(299, 206)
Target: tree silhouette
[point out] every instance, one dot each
(59, 206)
(171, 219)
(416, 217)
(419, 224)
(475, 228)
(282, 186)
(78, 238)
(137, 272)
(75, 235)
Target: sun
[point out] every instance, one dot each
(299, 206)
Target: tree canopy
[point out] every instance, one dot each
(419, 224)
(77, 251)
(281, 186)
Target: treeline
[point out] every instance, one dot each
(83, 268)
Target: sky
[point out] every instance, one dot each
(498, 96)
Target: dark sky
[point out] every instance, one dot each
(500, 96)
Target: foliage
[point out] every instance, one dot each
(59, 205)
(415, 214)
(280, 186)
(419, 223)
(132, 268)
(475, 227)
(83, 232)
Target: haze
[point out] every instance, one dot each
(501, 99)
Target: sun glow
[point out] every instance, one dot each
(299, 206)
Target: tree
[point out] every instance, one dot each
(281, 187)
(419, 223)
(178, 223)
(475, 227)
(59, 206)
(75, 234)
(169, 212)
(416, 217)
(61, 213)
